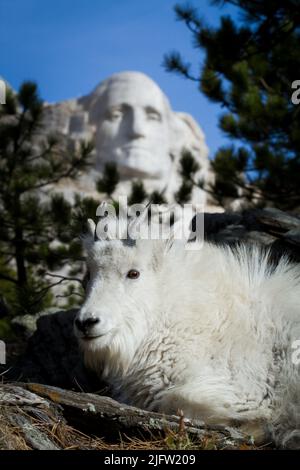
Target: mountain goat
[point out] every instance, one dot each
(210, 332)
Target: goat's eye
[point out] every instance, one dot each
(133, 274)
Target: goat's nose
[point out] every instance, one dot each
(84, 325)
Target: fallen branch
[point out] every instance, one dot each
(108, 419)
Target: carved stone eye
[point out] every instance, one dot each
(133, 274)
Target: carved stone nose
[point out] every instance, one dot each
(84, 325)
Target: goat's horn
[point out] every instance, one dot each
(136, 221)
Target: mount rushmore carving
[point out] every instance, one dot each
(132, 124)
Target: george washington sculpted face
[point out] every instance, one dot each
(132, 117)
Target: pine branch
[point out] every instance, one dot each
(8, 278)
(65, 278)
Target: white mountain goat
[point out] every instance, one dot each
(210, 332)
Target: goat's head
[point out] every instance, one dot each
(124, 294)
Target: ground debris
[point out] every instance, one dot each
(36, 416)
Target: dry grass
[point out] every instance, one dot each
(10, 436)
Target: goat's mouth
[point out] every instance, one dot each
(94, 337)
(91, 337)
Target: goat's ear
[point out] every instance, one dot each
(91, 227)
(88, 236)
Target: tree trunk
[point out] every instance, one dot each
(19, 245)
(20, 261)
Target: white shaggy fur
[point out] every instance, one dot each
(209, 332)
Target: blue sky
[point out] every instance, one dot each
(69, 46)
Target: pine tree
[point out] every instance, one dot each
(138, 193)
(157, 197)
(249, 69)
(187, 169)
(34, 225)
(110, 179)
